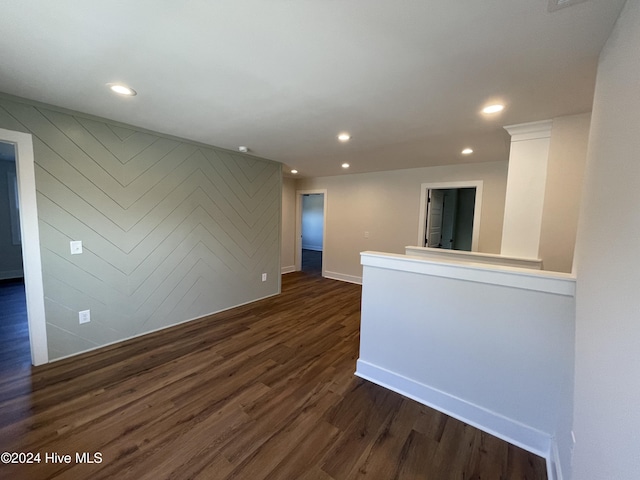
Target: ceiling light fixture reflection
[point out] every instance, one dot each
(344, 137)
(122, 89)
(243, 149)
(467, 151)
(345, 165)
(493, 108)
(294, 171)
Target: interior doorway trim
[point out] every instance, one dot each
(30, 233)
(424, 189)
(298, 253)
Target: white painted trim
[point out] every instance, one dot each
(477, 211)
(343, 277)
(523, 278)
(287, 269)
(507, 429)
(530, 130)
(443, 255)
(298, 252)
(30, 233)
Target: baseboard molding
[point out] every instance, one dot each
(11, 274)
(98, 347)
(511, 431)
(343, 277)
(327, 274)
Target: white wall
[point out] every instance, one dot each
(490, 345)
(563, 192)
(312, 221)
(288, 235)
(387, 205)
(526, 182)
(607, 384)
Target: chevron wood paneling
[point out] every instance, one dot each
(171, 230)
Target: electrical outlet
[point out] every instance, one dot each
(264, 277)
(366, 234)
(84, 316)
(76, 247)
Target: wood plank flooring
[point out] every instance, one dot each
(264, 391)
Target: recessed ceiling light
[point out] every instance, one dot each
(294, 171)
(493, 108)
(344, 137)
(122, 89)
(467, 151)
(243, 149)
(345, 165)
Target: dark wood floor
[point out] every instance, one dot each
(264, 391)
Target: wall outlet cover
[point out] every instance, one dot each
(76, 247)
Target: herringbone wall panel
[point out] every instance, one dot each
(171, 230)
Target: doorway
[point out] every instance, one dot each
(311, 207)
(450, 215)
(29, 236)
(14, 330)
(312, 232)
(450, 218)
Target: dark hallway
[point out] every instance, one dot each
(312, 261)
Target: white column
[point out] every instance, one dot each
(526, 183)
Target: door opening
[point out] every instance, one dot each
(312, 232)
(311, 208)
(30, 242)
(450, 218)
(14, 334)
(450, 215)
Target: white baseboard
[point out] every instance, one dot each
(131, 337)
(327, 274)
(343, 277)
(9, 274)
(514, 432)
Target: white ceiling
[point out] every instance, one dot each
(407, 78)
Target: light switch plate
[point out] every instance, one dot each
(84, 316)
(76, 247)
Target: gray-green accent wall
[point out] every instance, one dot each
(172, 230)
